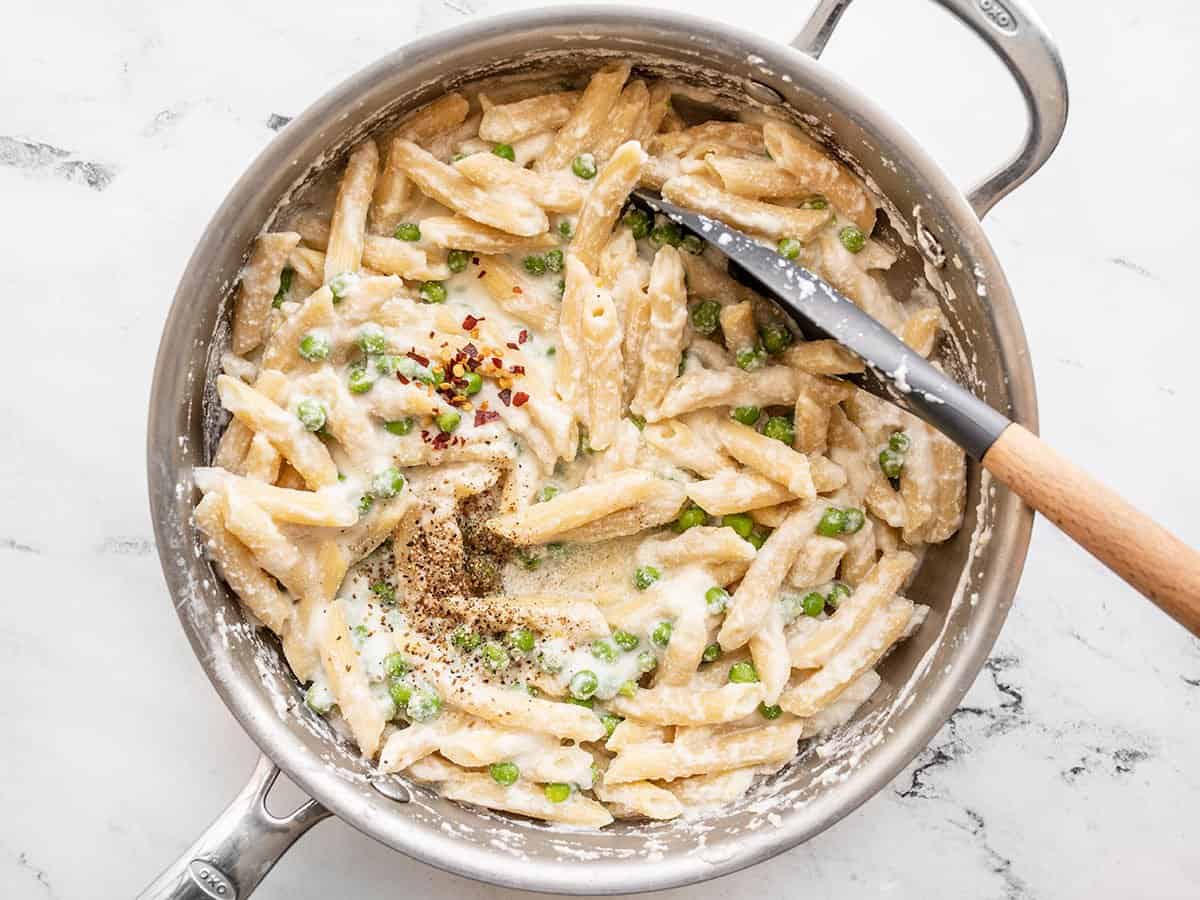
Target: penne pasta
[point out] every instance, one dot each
(260, 283)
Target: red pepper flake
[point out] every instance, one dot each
(517, 290)
(506, 397)
(483, 416)
(511, 346)
(425, 436)
(517, 370)
(417, 357)
(469, 322)
(470, 351)
(401, 378)
(523, 336)
(497, 362)
(482, 272)
(475, 259)
(520, 398)
(442, 439)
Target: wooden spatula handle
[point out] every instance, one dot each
(1129, 542)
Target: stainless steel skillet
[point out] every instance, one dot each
(969, 582)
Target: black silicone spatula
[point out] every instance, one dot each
(1133, 545)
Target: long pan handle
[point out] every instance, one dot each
(1126, 540)
(239, 848)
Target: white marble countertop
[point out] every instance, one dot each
(1070, 771)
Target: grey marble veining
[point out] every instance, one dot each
(1072, 768)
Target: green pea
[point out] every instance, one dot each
(625, 640)
(689, 518)
(645, 576)
(384, 591)
(505, 151)
(423, 705)
(747, 415)
(813, 603)
(399, 426)
(627, 688)
(564, 229)
(372, 340)
(319, 700)
(758, 537)
(666, 233)
(365, 502)
(311, 414)
(314, 347)
(776, 339)
(692, 244)
(448, 421)
(554, 261)
(534, 265)
(456, 260)
(401, 692)
(386, 363)
(749, 358)
(706, 316)
(743, 673)
(740, 523)
(465, 639)
(529, 561)
(770, 712)
(716, 600)
(781, 429)
(791, 606)
(407, 231)
(854, 520)
(584, 165)
(432, 292)
(474, 383)
(891, 462)
(852, 239)
(837, 594)
(387, 483)
(495, 657)
(521, 640)
(548, 492)
(285, 285)
(361, 379)
(504, 773)
(833, 520)
(816, 201)
(646, 661)
(557, 792)
(637, 221)
(339, 285)
(639, 422)
(395, 665)
(712, 652)
(604, 650)
(900, 442)
(788, 248)
(661, 635)
(610, 721)
(583, 684)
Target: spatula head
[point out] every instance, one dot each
(896, 372)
